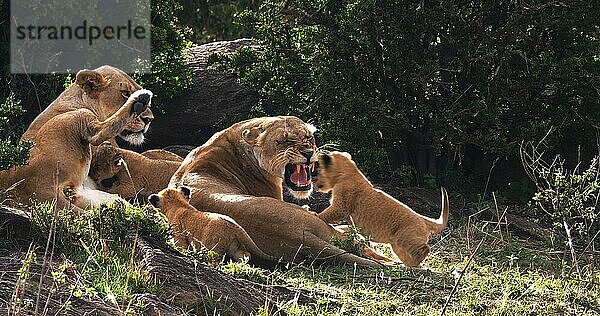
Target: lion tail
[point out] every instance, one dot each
(438, 225)
(329, 252)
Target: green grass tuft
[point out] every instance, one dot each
(100, 243)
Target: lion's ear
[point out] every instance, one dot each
(153, 199)
(251, 134)
(187, 193)
(91, 82)
(326, 160)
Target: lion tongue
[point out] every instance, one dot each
(299, 176)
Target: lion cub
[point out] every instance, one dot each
(217, 232)
(379, 215)
(129, 174)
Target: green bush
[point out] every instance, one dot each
(169, 40)
(13, 151)
(418, 83)
(569, 197)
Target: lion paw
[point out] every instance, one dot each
(141, 100)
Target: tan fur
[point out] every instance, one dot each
(108, 170)
(60, 160)
(101, 92)
(214, 231)
(239, 172)
(160, 154)
(377, 214)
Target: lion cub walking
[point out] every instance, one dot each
(379, 215)
(217, 232)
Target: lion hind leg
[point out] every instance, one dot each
(326, 251)
(419, 253)
(411, 256)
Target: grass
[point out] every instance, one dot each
(99, 245)
(507, 276)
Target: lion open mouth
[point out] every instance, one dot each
(298, 177)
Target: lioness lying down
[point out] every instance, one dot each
(129, 174)
(239, 172)
(60, 160)
(214, 231)
(377, 214)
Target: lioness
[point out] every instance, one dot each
(60, 160)
(214, 231)
(102, 91)
(239, 172)
(376, 213)
(129, 174)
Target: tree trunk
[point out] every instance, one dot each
(191, 117)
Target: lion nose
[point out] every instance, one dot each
(308, 155)
(147, 120)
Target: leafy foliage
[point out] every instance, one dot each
(215, 20)
(169, 73)
(419, 83)
(569, 197)
(13, 151)
(352, 241)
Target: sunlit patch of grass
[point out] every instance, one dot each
(101, 245)
(507, 277)
(244, 270)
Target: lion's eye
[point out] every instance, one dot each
(125, 94)
(286, 142)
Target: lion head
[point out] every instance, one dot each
(334, 167)
(107, 163)
(107, 88)
(284, 146)
(170, 197)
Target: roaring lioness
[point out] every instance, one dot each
(378, 215)
(60, 159)
(129, 174)
(239, 172)
(102, 91)
(216, 232)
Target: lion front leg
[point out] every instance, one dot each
(137, 103)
